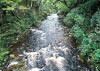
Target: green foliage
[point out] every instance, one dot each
(69, 19)
(89, 44)
(96, 56)
(3, 55)
(71, 3)
(79, 15)
(95, 21)
(74, 17)
(84, 21)
(16, 17)
(78, 33)
(48, 6)
(62, 8)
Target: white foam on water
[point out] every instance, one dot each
(34, 69)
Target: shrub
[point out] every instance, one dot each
(78, 33)
(89, 44)
(68, 20)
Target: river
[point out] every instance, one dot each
(47, 48)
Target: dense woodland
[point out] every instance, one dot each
(81, 16)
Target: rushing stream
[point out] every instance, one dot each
(48, 49)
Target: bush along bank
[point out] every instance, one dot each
(83, 18)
